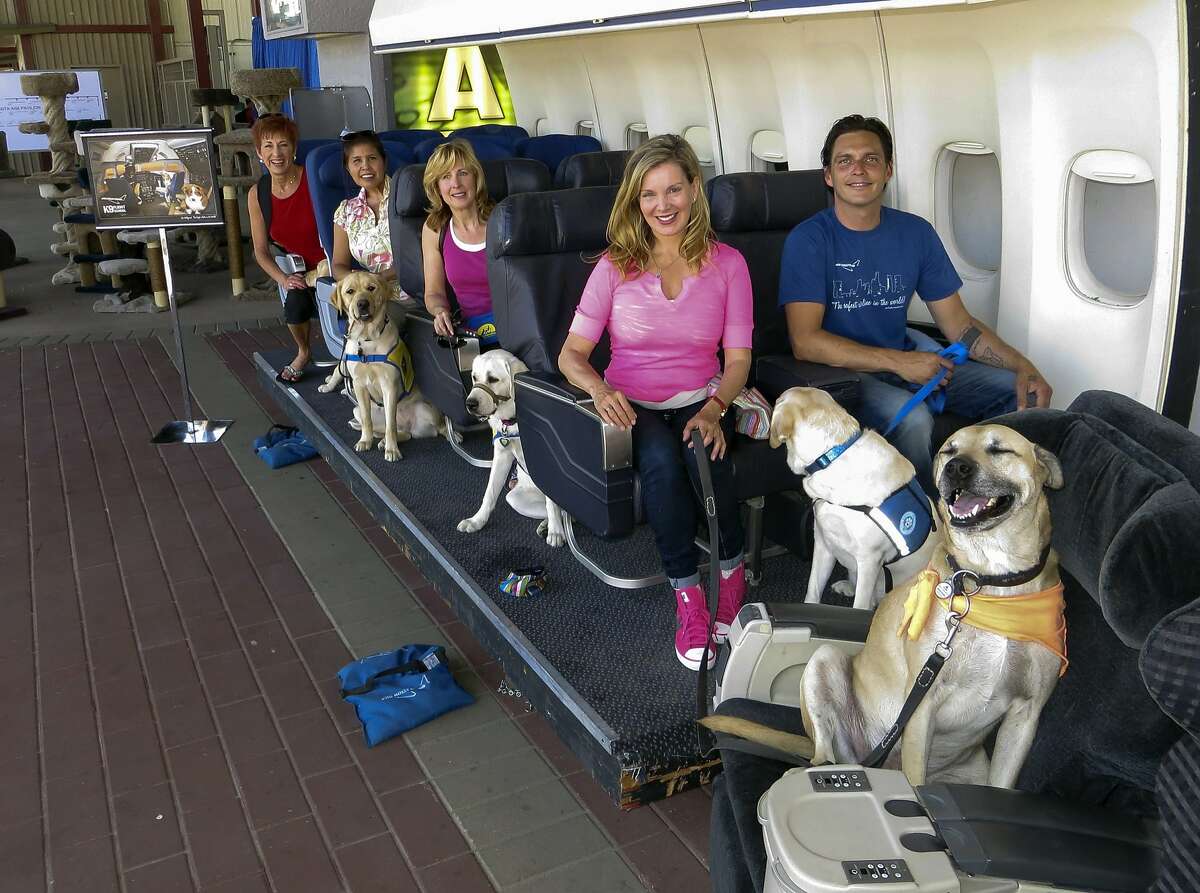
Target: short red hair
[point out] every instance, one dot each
(274, 125)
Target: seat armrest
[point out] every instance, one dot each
(775, 374)
(576, 458)
(443, 372)
(826, 621)
(290, 263)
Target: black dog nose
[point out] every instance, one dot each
(364, 305)
(959, 470)
(472, 403)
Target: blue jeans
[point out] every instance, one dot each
(671, 490)
(975, 391)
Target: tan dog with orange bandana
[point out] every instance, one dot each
(1006, 656)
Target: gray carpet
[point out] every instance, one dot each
(614, 646)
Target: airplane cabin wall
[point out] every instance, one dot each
(1038, 82)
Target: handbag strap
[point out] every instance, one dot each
(412, 666)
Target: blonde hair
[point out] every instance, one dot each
(630, 239)
(445, 158)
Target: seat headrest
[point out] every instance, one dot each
(1125, 516)
(485, 148)
(565, 220)
(754, 202)
(410, 138)
(591, 169)
(507, 135)
(503, 177)
(553, 148)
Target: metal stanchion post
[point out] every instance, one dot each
(187, 430)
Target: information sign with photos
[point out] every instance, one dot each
(153, 178)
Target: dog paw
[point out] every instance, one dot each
(403, 436)
(555, 540)
(469, 525)
(329, 385)
(391, 455)
(844, 588)
(363, 445)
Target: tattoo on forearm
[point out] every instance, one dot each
(989, 357)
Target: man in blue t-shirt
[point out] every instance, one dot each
(847, 277)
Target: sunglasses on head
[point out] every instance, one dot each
(350, 135)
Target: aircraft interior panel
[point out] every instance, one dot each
(654, 78)
(793, 77)
(548, 80)
(945, 126)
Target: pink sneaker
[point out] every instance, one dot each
(729, 601)
(691, 635)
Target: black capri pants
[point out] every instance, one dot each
(299, 306)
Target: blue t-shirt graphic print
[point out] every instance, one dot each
(866, 279)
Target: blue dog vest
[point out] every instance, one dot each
(905, 516)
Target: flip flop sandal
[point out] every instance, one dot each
(288, 375)
(524, 582)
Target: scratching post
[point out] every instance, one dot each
(154, 262)
(61, 180)
(208, 250)
(267, 88)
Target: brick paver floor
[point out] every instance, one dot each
(168, 715)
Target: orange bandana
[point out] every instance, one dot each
(1032, 617)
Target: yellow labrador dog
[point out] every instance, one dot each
(868, 509)
(492, 397)
(380, 368)
(1006, 658)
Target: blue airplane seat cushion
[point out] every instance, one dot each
(485, 149)
(554, 148)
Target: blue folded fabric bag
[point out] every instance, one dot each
(283, 445)
(394, 691)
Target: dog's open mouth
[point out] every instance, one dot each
(968, 509)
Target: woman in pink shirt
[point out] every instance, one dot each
(670, 296)
(453, 240)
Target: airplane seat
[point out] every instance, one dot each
(541, 250)
(553, 148)
(754, 212)
(485, 149)
(591, 169)
(1117, 746)
(410, 138)
(329, 185)
(507, 135)
(304, 147)
(440, 369)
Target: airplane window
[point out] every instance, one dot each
(635, 135)
(968, 204)
(768, 151)
(1111, 227)
(700, 140)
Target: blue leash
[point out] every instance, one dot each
(957, 353)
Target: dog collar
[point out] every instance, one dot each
(1016, 578)
(826, 459)
(504, 435)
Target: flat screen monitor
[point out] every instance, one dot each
(16, 108)
(153, 178)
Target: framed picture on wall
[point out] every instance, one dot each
(283, 18)
(153, 178)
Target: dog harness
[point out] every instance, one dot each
(398, 357)
(905, 516)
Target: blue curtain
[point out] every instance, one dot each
(286, 52)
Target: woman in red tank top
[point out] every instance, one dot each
(293, 227)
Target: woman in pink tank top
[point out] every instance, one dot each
(669, 297)
(453, 240)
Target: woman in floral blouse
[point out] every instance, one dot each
(360, 224)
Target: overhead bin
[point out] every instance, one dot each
(399, 25)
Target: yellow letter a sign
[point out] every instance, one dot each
(449, 98)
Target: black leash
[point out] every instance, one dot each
(704, 737)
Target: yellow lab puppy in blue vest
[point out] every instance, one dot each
(380, 369)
